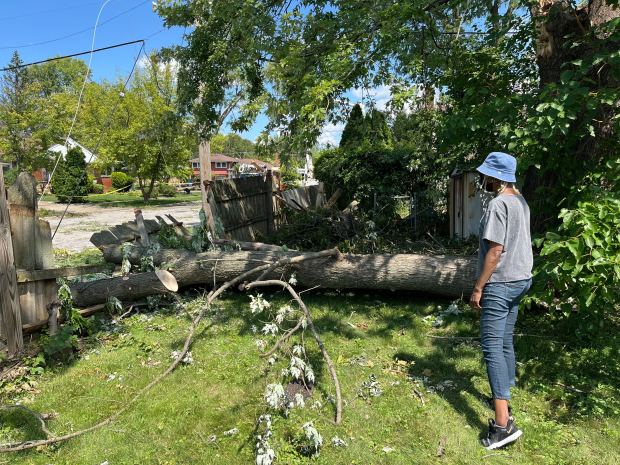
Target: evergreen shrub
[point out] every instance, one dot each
(70, 182)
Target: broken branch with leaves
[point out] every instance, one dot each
(212, 296)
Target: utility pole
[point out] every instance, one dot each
(204, 155)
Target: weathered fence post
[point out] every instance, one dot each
(9, 299)
(269, 203)
(32, 246)
(204, 155)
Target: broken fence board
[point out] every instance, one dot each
(10, 311)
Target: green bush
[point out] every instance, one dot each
(71, 180)
(121, 181)
(289, 176)
(10, 176)
(367, 171)
(166, 190)
(579, 266)
(97, 189)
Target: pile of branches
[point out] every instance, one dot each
(355, 231)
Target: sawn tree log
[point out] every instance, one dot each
(447, 276)
(132, 287)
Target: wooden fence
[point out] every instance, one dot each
(27, 255)
(28, 288)
(248, 208)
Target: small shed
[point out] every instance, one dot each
(466, 204)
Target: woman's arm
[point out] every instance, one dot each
(491, 259)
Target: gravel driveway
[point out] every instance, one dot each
(82, 220)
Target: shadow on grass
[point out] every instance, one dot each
(16, 419)
(577, 371)
(440, 363)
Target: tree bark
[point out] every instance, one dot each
(558, 24)
(132, 287)
(442, 275)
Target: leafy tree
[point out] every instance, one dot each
(66, 75)
(232, 145)
(304, 57)
(355, 132)
(148, 139)
(379, 133)
(70, 182)
(16, 114)
(37, 105)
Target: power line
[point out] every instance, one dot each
(73, 34)
(79, 102)
(47, 60)
(34, 13)
(106, 125)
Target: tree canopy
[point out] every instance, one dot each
(539, 80)
(147, 137)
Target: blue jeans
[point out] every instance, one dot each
(500, 307)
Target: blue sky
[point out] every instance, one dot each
(24, 24)
(40, 29)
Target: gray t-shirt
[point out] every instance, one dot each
(507, 222)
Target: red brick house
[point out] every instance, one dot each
(223, 166)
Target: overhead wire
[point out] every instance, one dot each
(76, 33)
(106, 125)
(79, 103)
(47, 60)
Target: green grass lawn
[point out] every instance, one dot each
(182, 420)
(133, 199)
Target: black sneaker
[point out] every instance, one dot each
(499, 437)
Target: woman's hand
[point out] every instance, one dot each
(474, 300)
(491, 259)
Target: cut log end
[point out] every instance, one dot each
(168, 280)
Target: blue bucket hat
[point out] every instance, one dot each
(500, 166)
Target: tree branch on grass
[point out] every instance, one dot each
(212, 296)
(315, 334)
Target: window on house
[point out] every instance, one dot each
(195, 165)
(220, 164)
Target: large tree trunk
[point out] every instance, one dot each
(558, 24)
(132, 287)
(442, 275)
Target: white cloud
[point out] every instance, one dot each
(143, 63)
(381, 95)
(331, 134)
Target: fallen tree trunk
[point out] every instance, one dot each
(131, 287)
(447, 276)
(242, 245)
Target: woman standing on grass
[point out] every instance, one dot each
(504, 276)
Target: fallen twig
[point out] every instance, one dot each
(441, 450)
(419, 396)
(214, 294)
(283, 339)
(131, 308)
(38, 416)
(570, 388)
(315, 334)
